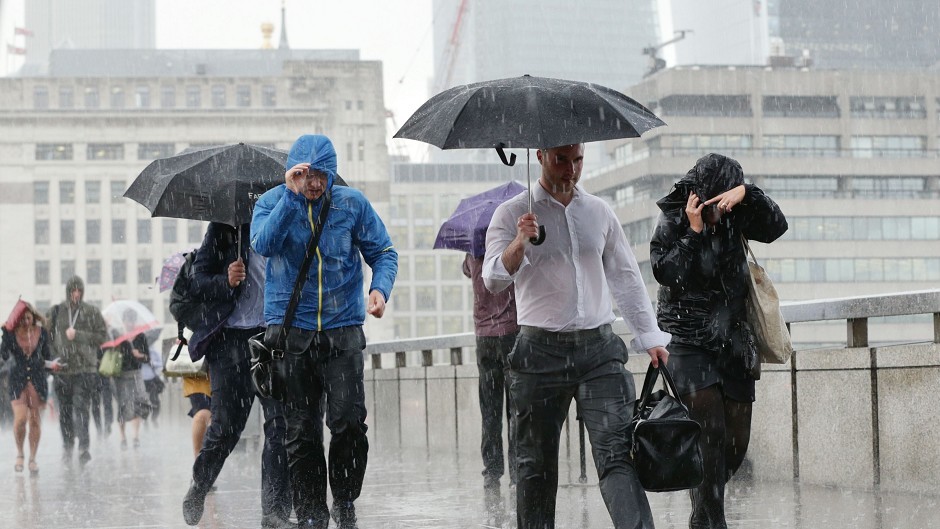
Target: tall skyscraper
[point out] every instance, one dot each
(865, 34)
(86, 24)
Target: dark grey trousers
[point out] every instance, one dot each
(492, 353)
(547, 370)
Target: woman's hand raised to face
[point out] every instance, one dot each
(728, 199)
(693, 210)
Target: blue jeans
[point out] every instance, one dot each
(547, 370)
(232, 396)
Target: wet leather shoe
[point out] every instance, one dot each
(274, 521)
(344, 513)
(193, 504)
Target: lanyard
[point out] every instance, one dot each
(73, 319)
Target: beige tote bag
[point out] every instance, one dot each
(763, 313)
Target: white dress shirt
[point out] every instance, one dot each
(565, 284)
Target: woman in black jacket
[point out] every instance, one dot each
(698, 256)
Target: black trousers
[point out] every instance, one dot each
(102, 404)
(547, 370)
(228, 361)
(327, 378)
(74, 394)
(492, 353)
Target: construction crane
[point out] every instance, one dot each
(449, 56)
(656, 63)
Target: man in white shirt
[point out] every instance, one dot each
(566, 348)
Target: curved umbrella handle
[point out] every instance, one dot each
(540, 239)
(502, 156)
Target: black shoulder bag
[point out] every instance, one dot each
(267, 383)
(666, 453)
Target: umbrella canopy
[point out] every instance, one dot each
(171, 269)
(216, 184)
(465, 230)
(16, 314)
(526, 112)
(126, 319)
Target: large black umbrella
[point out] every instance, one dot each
(217, 184)
(526, 112)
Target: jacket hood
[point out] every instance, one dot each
(318, 151)
(73, 283)
(711, 175)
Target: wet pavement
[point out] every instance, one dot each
(144, 487)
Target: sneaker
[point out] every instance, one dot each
(193, 504)
(84, 458)
(274, 521)
(344, 513)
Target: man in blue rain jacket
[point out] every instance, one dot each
(326, 339)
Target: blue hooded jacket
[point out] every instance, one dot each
(332, 296)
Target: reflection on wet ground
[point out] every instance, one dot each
(145, 487)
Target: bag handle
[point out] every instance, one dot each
(747, 248)
(653, 373)
(305, 266)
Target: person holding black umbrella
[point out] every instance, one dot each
(230, 276)
(566, 348)
(325, 340)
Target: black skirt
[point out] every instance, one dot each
(695, 369)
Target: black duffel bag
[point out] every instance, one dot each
(665, 448)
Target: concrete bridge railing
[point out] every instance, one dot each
(855, 416)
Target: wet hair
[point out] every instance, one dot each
(38, 318)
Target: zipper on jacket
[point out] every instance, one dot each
(313, 231)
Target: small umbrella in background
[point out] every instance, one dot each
(465, 230)
(171, 269)
(526, 112)
(126, 319)
(18, 310)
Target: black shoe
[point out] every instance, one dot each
(274, 521)
(344, 513)
(67, 456)
(84, 458)
(193, 505)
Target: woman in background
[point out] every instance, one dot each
(27, 343)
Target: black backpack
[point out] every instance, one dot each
(185, 307)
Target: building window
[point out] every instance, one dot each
(119, 271)
(194, 231)
(349, 151)
(117, 97)
(889, 146)
(243, 95)
(142, 97)
(53, 151)
(92, 100)
(801, 107)
(67, 231)
(705, 105)
(361, 151)
(801, 145)
(152, 151)
(117, 191)
(348, 104)
(92, 191)
(66, 269)
(66, 192)
(41, 192)
(169, 230)
(193, 96)
(888, 107)
(118, 231)
(93, 231)
(145, 272)
(218, 96)
(93, 271)
(66, 97)
(167, 97)
(42, 272)
(143, 231)
(268, 96)
(105, 151)
(360, 104)
(426, 298)
(41, 97)
(401, 299)
(41, 231)
(452, 297)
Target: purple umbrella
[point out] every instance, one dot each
(171, 268)
(465, 230)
